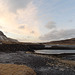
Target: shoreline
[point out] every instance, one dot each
(41, 64)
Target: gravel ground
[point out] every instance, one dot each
(42, 64)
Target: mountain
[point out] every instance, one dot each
(5, 39)
(63, 42)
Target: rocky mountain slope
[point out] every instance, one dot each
(5, 39)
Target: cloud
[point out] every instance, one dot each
(32, 32)
(70, 20)
(14, 5)
(50, 25)
(1, 27)
(58, 34)
(22, 27)
(11, 22)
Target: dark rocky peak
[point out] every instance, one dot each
(1, 33)
(5, 39)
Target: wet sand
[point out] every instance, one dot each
(41, 64)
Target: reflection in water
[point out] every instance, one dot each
(54, 51)
(72, 46)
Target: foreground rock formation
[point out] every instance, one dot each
(12, 69)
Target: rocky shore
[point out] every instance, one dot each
(41, 64)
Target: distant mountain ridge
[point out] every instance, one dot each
(5, 39)
(67, 41)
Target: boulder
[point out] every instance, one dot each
(13, 69)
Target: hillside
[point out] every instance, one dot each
(63, 42)
(5, 40)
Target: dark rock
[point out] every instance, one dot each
(19, 47)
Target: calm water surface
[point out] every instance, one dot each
(54, 51)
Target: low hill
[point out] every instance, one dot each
(63, 42)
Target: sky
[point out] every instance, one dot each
(38, 20)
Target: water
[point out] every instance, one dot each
(72, 46)
(54, 51)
